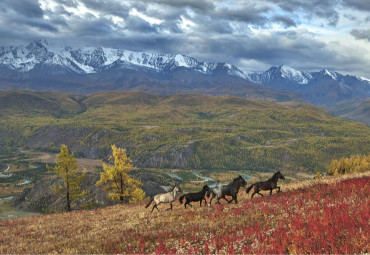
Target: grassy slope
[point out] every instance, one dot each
(224, 132)
(325, 216)
(357, 110)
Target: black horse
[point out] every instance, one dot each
(231, 189)
(270, 184)
(195, 197)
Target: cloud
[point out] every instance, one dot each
(325, 9)
(286, 21)
(361, 5)
(252, 34)
(26, 8)
(362, 34)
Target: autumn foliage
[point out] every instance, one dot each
(320, 218)
(66, 168)
(353, 164)
(117, 182)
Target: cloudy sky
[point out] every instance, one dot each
(251, 34)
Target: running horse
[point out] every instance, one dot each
(196, 196)
(168, 197)
(270, 184)
(221, 190)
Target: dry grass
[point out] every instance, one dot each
(84, 164)
(131, 228)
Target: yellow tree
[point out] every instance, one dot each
(66, 168)
(116, 179)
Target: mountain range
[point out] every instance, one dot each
(42, 66)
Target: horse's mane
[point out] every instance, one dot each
(275, 174)
(236, 179)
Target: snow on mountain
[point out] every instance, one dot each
(285, 76)
(50, 58)
(364, 79)
(295, 75)
(93, 60)
(281, 73)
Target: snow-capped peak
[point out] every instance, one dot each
(92, 60)
(332, 74)
(293, 74)
(364, 79)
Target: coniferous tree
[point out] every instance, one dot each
(66, 168)
(118, 183)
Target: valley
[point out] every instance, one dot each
(189, 139)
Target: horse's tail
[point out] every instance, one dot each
(249, 189)
(150, 201)
(181, 198)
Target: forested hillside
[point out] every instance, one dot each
(181, 131)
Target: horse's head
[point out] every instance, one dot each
(177, 189)
(279, 175)
(206, 188)
(240, 180)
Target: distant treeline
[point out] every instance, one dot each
(353, 164)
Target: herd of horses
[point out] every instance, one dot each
(218, 191)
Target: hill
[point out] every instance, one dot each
(358, 110)
(329, 216)
(181, 131)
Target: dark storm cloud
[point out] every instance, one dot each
(321, 8)
(139, 25)
(248, 14)
(101, 27)
(24, 15)
(199, 5)
(361, 5)
(286, 21)
(363, 34)
(27, 8)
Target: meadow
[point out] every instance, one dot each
(330, 215)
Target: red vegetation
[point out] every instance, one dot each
(322, 218)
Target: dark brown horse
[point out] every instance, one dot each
(270, 184)
(195, 197)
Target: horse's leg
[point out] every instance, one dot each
(201, 202)
(213, 196)
(270, 192)
(223, 196)
(278, 187)
(260, 194)
(235, 199)
(170, 207)
(218, 200)
(154, 206)
(253, 195)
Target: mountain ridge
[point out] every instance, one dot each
(41, 66)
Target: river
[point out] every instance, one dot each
(205, 178)
(174, 176)
(5, 174)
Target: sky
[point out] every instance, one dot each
(251, 34)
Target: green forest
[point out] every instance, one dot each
(181, 131)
